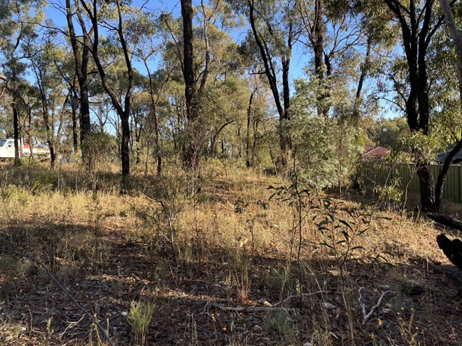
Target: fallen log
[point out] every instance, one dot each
(446, 220)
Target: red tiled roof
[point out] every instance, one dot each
(374, 152)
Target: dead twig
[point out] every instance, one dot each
(71, 325)
(250, 308)
(32, 258)
(363, 306)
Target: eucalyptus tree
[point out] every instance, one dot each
(61, 61)
(151, 41)
(224, 97)
(345, 41)
(257, 120)
(18, 22)
(191, 145)
(274, 29)
(380, 38)
(112, 17)
(419, 22)
(49, 87)
(322, 134)
(81, 50)
(203, 55)
(313, 14)
(157, 82)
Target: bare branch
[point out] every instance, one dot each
(34, 259)
(363, 306)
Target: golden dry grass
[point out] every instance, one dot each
(196, 257)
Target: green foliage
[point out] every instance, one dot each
(326, 148)
(421, 147)
(43, 183)
(299, 201)
(390, 131)
(390, 194)
(139, 317)
(101, 148)
(340, 234)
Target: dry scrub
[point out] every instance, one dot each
(224, 264)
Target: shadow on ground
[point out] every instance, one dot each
(212, 301)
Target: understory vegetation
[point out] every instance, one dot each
(241, 259)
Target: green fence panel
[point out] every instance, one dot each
(380, 174)
(451, 189)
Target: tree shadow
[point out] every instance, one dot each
(213, 296)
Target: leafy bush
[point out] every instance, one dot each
(325, 147)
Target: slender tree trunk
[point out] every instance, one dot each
(247, 139)
(81, 59)
(154, 102)
(213, 146)
(285, 139)
(17, 160)
(85, 124)
(356, 117)
(283, 106)
(123, 110)
(125, 147)
(157, 141)
(74, 107)
(254, 144)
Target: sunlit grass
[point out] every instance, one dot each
(225, 233)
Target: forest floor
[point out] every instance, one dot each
(224, 265)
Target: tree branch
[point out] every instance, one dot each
(34, 259)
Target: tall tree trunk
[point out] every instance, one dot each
(427, 187)
(254, 143)
(123, 110)
(319, 58)
(417, 33)
(81, 60)
(283, 106)
(154, 102)
(190, 154)
(285, 139)
(125, 147)
(157, 141)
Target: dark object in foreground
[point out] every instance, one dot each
(452, 249)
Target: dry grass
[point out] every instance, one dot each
(223, 265)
